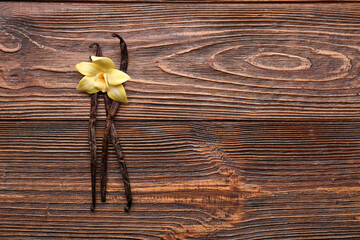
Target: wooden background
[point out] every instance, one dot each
(243, 120)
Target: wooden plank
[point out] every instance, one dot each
(187, 61)
(190, 180)
(207, 1)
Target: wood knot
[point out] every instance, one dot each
(225, 171)
(15, 76)
(279, 61)
(8, 42)
(297, 63)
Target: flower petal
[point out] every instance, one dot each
(100, 82)
(86, 84)
(116, 77)
(88, 69)
(117, 93)
(103, 62)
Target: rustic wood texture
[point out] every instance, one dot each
(207, 1)
(242, 122)
(190, 180)
(209, 61)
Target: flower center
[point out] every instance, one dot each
(103, 79)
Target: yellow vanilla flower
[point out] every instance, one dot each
(101, 75)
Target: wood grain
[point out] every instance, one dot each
(190, 180)
(243, 121)
(220, 61)
(208, 1)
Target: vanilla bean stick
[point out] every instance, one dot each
(124, 59)
(111, 109)
(123, 67)
(92, 137)
(124, 172)
(104, 150)
(105, 143)
(92, 144)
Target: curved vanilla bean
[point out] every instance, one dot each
(111, 109)
(98, 49)
(124, 172)
(92, 138)
(124, 60)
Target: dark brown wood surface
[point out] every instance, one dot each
(206, 1)
(243, 121)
